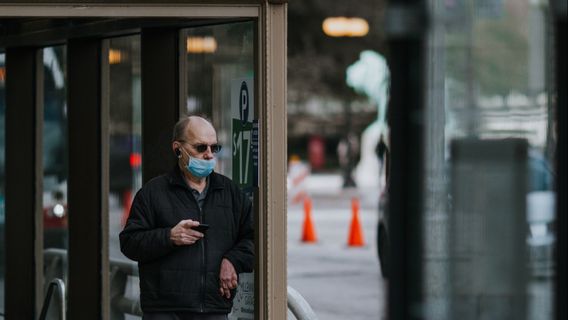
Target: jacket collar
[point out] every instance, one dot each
(175, 177)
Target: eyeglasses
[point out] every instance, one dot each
(203, 147)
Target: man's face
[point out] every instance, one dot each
(200, 141)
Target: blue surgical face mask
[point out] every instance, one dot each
(199, 167)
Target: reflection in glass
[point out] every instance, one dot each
(125, 165)
(218, 57)
(489, 84)
(220, 85)
(55, 167)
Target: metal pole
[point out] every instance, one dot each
(562, 230)
(405, 26)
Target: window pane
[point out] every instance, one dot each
(220, 86)
(55, 167)
(125, 159)
(219, 59)
(489, 230)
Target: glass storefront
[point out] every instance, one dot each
(217, 79)
(219, 60)
(222, 54)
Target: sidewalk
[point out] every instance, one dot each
(338, 281)
(326, 191)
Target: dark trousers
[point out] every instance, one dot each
(183, 316)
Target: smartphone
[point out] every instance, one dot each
(201, 228)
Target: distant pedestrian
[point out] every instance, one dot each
(347, 150)
(186, 273)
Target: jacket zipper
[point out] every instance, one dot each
(203, 256)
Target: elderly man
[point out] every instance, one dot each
(187, 271)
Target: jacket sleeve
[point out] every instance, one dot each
(140, 240)
(242, 253)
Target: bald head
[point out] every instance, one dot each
(190, 127)
(199, 129)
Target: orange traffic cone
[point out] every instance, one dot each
(356, 238)
(309, 234)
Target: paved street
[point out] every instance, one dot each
(338, 281)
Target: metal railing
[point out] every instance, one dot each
(120, 270)
(58, 286)
(121, 304)
(299, 307)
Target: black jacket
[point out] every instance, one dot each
(186, 278)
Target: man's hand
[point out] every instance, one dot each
(228, 278)
(183, 235)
